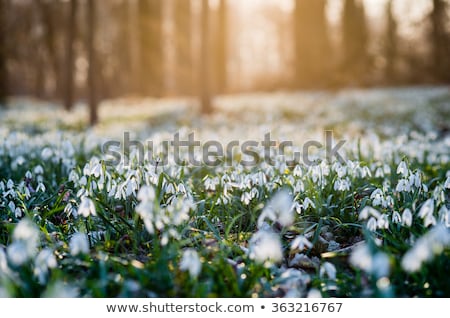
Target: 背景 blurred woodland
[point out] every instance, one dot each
(93, 50)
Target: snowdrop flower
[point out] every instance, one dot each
(402, 169)
(25, 242)
(146, 193)
(396, 217)
(298, 171)
(426, 209)
(378, 264)
(86, 207)
(368, 211)
(444, 216)
(341, 171)
(307, 203)
(361, 257)
(279, 209)
(12, 206)
(246, 198)
(372, 224)
(430, 244)
(407, 217)
(329, 270)
(379, 173)
(377, 197)
(447, 183)
(300, 242)
(40, 187)
(38, 170)
(429, 220)
(44, 261)
(210, 184)
(46, 153)
(190, 261)
(79, 244)
(387, 202)
(299, 187)
(342, 185)
(314, 293)
(265, 246)
(383, 222)
(403, 186)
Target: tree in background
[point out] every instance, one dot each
(183, 46)
(151, 48)
(220, 48)
(69, 61)
(390, 45)
(312, 46)
(440, 41)
(205, 94)
(92, 71)
(3, 55)
(355, 67)
(46, 10)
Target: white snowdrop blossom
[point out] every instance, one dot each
(342, 184)
(301, 242)
(426, 209)
(430, 244)
(372, 224)
(402, 169)
(79, 244)
(403, 186)
(444, 216)
(25, 242)
(308, 203)
(383, 222)
(43, 262)
(396, 217)
(279, 209)
(46, 153)
(447, 183)
(377, 197)
(329, 270)
(379, 173)
(165, 219)
(407, 217)
(191, 262)
(377, 264)
(368, 211)
(361, 257)
(265, 245)
(86, 207)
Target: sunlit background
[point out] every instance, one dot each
(137, 48)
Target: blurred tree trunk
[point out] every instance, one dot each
(69, 64)
(46, 13)
(221, 48)
(92, 72)
(440, 41)
(183, 49)
(151, 50)
(312, 45)
(355, 66)
(123, 46)
(205, 94)
(390, 44)
(3, 55)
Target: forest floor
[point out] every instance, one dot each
(275, 194)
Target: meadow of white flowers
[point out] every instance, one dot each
(375, 224)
